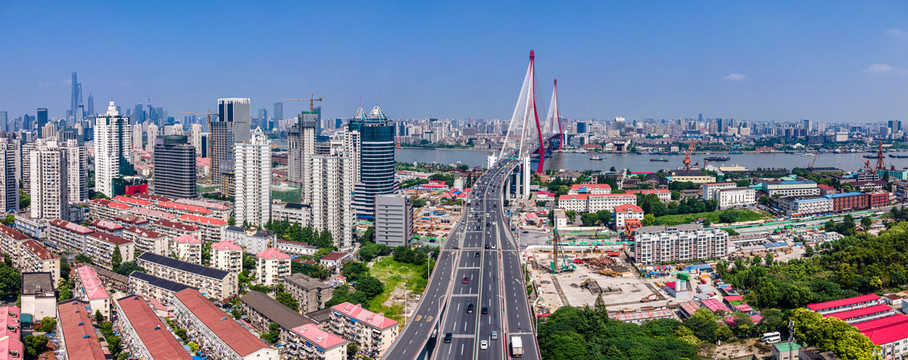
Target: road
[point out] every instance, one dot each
(477, 287)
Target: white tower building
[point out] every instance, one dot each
(113, 142)
(253, 179)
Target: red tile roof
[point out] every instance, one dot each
(94, 288)
(176, 225)
(132, 201)
(113, 239)
(273, 253)
(131, 219)
(187, 239)
(574, 197)
(843, 302)
(334, 256)
(314, 334)
(204, 220)
(628, 208)
(151, 331)
(882, 322)
(145, 232)
(149, 197)
(220, 323)
(119, 205)
(184, 207)
(590, 186)
(365, 316)
(12, 233)
(106, 225)
(226, 245)
(152, 213)
(204, 204)
(844, 315)
(39, 250)
(78, 333)
(63, 224)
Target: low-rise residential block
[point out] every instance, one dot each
(228, 256)
(271, 267)
(143, 333)
(90, 288)
(214, 283)
(78, 338)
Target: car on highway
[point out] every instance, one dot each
(448, 337)
(465, 279)
(485, 310)
(487, 246)
(484, 344)
(477, 254)
(494, 335)
(470, 308)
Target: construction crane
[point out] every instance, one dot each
(880, 164)
(690, 150)
(312, 99)
(814, 160)
(210, 176)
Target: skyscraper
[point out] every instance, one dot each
(174, 167)
(371, 141)
(113, 143)
(196, 139)
(332, 199)
(4, 121)
(253, 179)
(90, 107)
(76, 99)
(301, 141)
(40, 121)
(230, 127)
(49, 177)
(9, 189)
(277, 115)
(77, 168)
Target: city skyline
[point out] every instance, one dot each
(771, 61)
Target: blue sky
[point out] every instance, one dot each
(831, 61)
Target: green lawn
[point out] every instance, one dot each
(395, 275)
(713, 216)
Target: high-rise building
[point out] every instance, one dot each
(76, 100)
(48, 131)
(151, 133)
(332, 199)
(393, 219)
(301, 139)
(9, 189)
(49, 178)
(41, 120)
(90, 107)
(262, 120)
(137, 137)
(174, 168)
(253, 179)
(371, 141)
(113, 143)
(4, 121)
(195, 138)
(230, 127)
(77, 168)
(277, 115)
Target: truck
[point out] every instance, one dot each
(516, 346)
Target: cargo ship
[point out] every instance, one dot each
(717, 158)
(658, 159)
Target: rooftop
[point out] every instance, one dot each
(184, 207)
(79, 335)
(184, 266)
(63, 224)
(12, 233)
(334, 256)
(106, 225)
(831, 196)
(843, 302)
(273, 310)
(131, 201)
(226, 245)
(39, 250)
(37, 283)
(94, 288)
(144, 232)
(146, 212)
(159, 282)
(204, 204)
(220, 323)
(306, 282)
(149, 197)
(131, 219)
(628, 208)
(273, 253)
(870, 310)
(204, 220)
(314, 334)
(113, 239)
(365, 316)
(175, 225)
(161, 344)
(186, 239)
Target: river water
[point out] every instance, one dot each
(634, 162)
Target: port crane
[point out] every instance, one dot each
(690, 150)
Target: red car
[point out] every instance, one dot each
(465, 279)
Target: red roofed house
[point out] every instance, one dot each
(576, 203)
(212, 229)
(863, 314)
(218, 210)
(143, 333)
(216, 332)
(106, 209)
(590, 189)
(100, 247)
(181, 209)
(65, 235)
(665, 195)
(625, 212)
(147, 240)
(365, 322)
(228, 256)
(172, 229)
(129, 220)
(150, 197)
(107, 226)
(78, 338)
(34, 257)
(271, 267)
(853, 303)
(90, 288)
(131, 201)
(334, 259)
(312, 339)
(187, 248)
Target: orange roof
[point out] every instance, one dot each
(151, 331)
(223, 326)
(204, 220)
(12, 233)
(78, 334)
(628, 208)
(573, 197)
(35, 248)
(113, 239)
(176, 225)
(129, 200)
(184, 207)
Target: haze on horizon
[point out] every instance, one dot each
(783, 61)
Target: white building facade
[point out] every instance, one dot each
(253, 179)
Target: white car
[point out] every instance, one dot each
(484, 344)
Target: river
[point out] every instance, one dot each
(634, 162)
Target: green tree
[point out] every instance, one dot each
(231, 221)
(288, 300)
(193, 346)
(236, 314)
(9, 220)
(48, 324)
(866, 223)
(604, 216)
(34, 346)
(589, 219)
(808, 250)
(116, 259)
(649, 220)
(127, 268)
(24, 199)
(370, 286)
(99, 318)
(10, 282)
(83, 259)
(352, 350)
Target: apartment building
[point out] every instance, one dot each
(154, 198)
(805, 205)
(100, 247)
(271, 267)
(178, 209)
(130, 220)
(90, 288)
(147, 240)
(133, 202)
(38, 297)
(214, 283)
(625, 212)
(253, 179)
(790, 188)
(295, 248)
(144, 334)
(187, 248)
(252, 239)
(594, 203)
(291, 212)
(173, 229)
(151, 214)
(36, 228)
(107, 209)
(11, 241)
(34, 257)
(154, 287)
(333, 183)
(694, 176)
(67, 236)
(664, 195)
(49, 188)
(261, 310)
(311, 341)
(373, 332)
(219, 209)
(849, 201)
(688, 242)
(212, 229)
(588, 189)
(228, 256)
(393, 219)
(709, 190)
(217, 334)
(310, 293)
(10, 333)
(736, 196)
(76, 334)
(107, 226)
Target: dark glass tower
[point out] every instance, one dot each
(174, 167)
(376, 160)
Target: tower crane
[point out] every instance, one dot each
(814, 160)
(209, 129)
(690, 150)
(312, 99)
